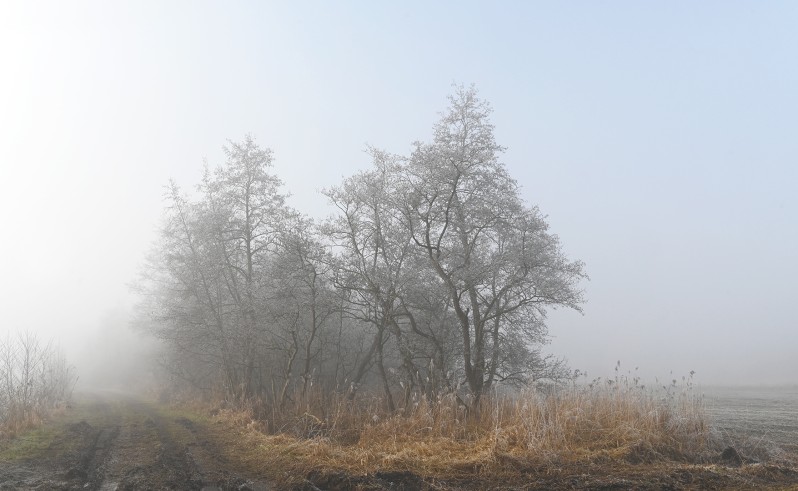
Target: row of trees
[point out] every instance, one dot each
(432, 277)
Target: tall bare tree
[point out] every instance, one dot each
(372, 270)
(491, 252)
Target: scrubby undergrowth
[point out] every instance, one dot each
(532, 431)
(35, 380)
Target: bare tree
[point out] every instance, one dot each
(206, 282)
(34, 378)
(491, 252)
(372, 268)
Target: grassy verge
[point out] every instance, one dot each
(527, 432)
(35, 441)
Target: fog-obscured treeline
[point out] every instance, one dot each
(433, 276)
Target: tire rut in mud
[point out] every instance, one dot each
(91, 462)
(126, 444)
(154, 451)
(145, 455)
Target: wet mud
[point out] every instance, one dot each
(125, 444)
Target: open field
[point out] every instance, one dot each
(763, 420)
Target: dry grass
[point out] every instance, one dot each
(600, 422)
(35, 381)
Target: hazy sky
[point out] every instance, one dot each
(661, 139)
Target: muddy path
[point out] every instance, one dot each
(109, 441)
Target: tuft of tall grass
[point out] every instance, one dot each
(615, 419)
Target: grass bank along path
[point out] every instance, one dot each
(109, 441)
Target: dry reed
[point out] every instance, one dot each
(616, 420)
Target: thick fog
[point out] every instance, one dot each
(660, 141)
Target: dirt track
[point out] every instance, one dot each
(115, 442)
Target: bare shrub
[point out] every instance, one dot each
(34, 379)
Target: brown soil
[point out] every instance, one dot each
(611, 477)
(114, 442)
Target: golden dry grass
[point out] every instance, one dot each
(15, 423)
(526, 431)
